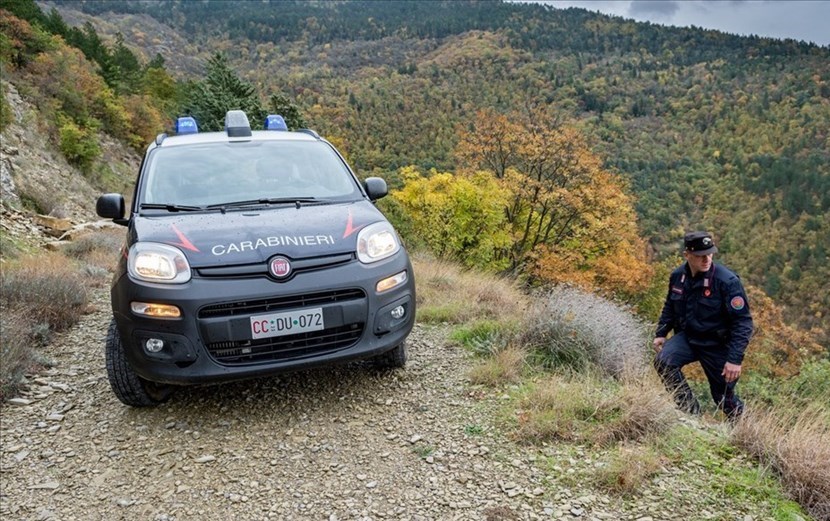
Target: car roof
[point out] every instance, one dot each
(222, 137)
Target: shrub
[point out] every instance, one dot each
(48, 288)
(795, 444)
(15, 349)
(79, 145)
(573, 328)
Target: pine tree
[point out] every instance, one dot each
(222, 90)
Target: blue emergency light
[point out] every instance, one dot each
(186, 125)
(275, 122)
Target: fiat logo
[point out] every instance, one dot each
(280, 267)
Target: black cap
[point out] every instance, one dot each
(699, 243)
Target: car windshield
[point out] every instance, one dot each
(219, 173)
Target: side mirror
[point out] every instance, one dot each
(111, 206)
(375, 188)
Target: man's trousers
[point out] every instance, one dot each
(677, 352)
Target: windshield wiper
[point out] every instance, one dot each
(171, 207)
(266, 200)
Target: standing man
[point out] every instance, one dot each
(706, 306)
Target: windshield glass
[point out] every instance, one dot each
(217, 173)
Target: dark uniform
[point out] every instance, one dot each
(709, 314)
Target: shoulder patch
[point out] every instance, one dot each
(737, 303)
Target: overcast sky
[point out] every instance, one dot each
(807, 20)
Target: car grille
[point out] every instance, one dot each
(286, 347)
(253, 307)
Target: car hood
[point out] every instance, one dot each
(254, 235)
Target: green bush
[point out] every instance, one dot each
(79, 145)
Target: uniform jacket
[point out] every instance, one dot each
(711, 308)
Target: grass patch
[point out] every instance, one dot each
(729, 473)
(628, 469)
(423, 451)
(503, 366)
(586, 408)
(450, 294)
(473, 430)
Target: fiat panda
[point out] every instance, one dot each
(250, 253)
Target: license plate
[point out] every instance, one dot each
(287, 323)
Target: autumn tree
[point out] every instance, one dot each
(458, 217)
(568, 218)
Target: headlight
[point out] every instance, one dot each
(376, 242)
(154, 262)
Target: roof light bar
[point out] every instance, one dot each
(186, 125)
(236, 124)
(275, 122)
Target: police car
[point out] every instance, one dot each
(250, 253)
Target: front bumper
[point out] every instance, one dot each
(213, 340)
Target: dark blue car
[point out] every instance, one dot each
(251, 253)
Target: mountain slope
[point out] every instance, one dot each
(713, 130)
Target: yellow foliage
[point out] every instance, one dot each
(459, 217)
(569, 220)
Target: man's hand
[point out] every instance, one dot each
(658, 345)
(731, 372)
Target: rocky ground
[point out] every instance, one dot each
(344, 443)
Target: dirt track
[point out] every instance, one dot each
(344, 443)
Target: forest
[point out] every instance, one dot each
(701, 129)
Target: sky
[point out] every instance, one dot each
(807, 20)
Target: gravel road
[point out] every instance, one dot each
(343, 443)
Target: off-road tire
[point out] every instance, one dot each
(130, 388)
(393, 359)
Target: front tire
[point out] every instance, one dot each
(130, 388)
(395, 358)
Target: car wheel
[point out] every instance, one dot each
(392, 359)
(130, 388)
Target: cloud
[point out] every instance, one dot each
(653, 9)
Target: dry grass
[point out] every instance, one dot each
(505, 366)
(448, 293)
(97, 252)
(629, 468)
(586, 408)
(797, 446)
(38, 295)
(47, 287)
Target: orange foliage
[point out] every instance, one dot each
(571, 221)
(777, 349)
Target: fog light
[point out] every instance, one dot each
(155, 310)
(391, 282)
(154, 345)
(398, 312)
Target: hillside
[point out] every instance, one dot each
(711, 130)
(512, 405)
